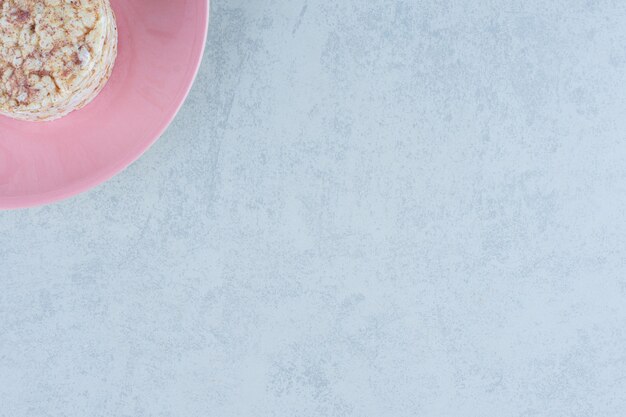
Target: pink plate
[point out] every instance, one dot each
(160, 48)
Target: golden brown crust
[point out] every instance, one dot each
(55, 55)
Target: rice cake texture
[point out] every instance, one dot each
(55, 55)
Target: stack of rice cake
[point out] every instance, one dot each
(55, 55)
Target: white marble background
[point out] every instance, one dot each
(365, 208)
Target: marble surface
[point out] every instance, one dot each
(365, 208)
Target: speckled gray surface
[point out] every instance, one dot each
(365, 208)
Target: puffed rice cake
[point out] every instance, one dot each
(55, 55)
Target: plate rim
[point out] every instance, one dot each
(79, 187)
